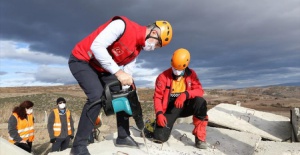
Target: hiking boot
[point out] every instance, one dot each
(79, 150)
(200, 144)
(147, 133)
(127, 142)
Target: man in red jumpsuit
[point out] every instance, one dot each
(107, 54)
(178, 93)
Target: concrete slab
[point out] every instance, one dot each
(222, 141)
(187, 120)
(272, 148)
(295, 120)
(6, 148)
(267, 125)
(181, 141)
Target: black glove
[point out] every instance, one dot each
(71, 137)
(52, 140)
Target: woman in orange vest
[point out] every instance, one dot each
(20, 126)
(60, 126)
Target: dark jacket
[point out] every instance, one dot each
(64, 129)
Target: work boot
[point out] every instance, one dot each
(200, 144)
(148, 134)
(79, 150)
(200, 132)
(127, 142)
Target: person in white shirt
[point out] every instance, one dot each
(107, 54)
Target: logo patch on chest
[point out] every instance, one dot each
(117, 51)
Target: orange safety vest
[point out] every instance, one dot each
(57, 123)
(25, 128)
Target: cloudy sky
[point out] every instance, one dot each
(233, 44)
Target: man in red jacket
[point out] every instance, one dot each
(178, 93)
(107, 54)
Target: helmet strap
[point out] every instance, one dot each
(157, 38)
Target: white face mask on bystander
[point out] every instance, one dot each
(62, 105)
(29, 111)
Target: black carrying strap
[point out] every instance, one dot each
(107, 103)
(90, 106)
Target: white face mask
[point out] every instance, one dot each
(29, 111)
(178, 72)
(62, 105)
(149, 46)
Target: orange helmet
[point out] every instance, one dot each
(180, 59)
(165, 31)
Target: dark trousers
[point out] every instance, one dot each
(25, 146)
(60, 144)
(92, 83)
(196, 107)
(91, 138)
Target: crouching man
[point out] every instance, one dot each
(178, 93)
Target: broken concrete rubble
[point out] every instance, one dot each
(295, 121)
(273, 148)
(267, 125)
(245, 136)
(8, 148)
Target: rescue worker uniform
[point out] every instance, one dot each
(167, 89)
(21, 129)
(60, 128)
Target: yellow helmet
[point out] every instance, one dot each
(166, 32)
(180, 59)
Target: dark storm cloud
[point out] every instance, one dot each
(2, 73)
(250, 38)
(56, 26)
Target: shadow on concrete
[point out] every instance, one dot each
(219, 141)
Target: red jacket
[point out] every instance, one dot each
(164, 85)
(123, 50)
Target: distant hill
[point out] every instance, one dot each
(289, 84)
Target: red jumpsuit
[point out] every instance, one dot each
(194, 105)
